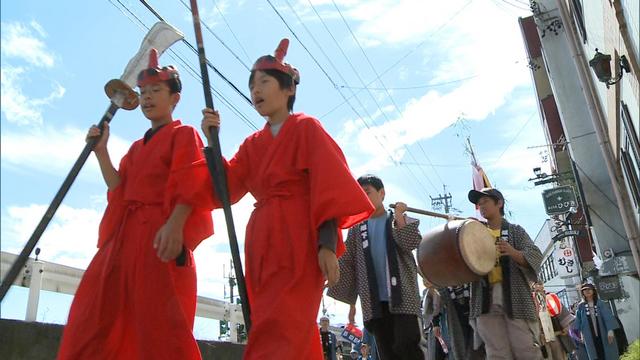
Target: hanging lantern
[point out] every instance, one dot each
(554, 305)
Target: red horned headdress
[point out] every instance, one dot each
(277, 62)
(154, 73)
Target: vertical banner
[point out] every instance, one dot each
(565, 258)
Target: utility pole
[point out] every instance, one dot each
(237, 332)
(226, 327)
(443, 201)
(232, 280)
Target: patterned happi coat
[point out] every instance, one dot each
(354, 274)
(517, 299)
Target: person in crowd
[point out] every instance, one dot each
(501, 306)
(595, 326)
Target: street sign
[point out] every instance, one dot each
(565, 258)
(608, 287)
(559, 200)
(564, 234)
(617, 265)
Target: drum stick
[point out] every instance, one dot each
(430, 213)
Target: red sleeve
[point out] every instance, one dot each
(237, 172)
(189, 183)
(115, 205)
(334, 193)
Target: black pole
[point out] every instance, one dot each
(216, 168)
(21, 260)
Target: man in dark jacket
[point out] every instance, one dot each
(329, 342)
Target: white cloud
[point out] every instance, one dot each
(23, 42)
(18, 107)
(515, 166)
(70, 238)
(53, 150)
(215, 252)
(490, 51)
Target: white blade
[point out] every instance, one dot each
(161, 36)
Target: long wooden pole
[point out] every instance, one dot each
(216, 168)
(430, 213)
(21, 260)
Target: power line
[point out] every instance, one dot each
(196, 75)
(393, 66)
(218, 38)
(189, 67)
(388, 94)
(231, 30)
(516, 5)
(355, 71)
(209, 64)
(328, 58)
(360, 117)
(433, 165)
(426, 86)
(584, 173)
(340, 75)
(514, 138)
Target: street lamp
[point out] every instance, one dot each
(537, 172)
(601, 65)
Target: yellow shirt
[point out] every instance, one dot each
(495, 276)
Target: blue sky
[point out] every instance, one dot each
(447, 70)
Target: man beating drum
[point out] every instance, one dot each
(500, 261)
(502, 309)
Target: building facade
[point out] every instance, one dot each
(592, 123)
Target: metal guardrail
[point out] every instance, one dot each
(43, 275)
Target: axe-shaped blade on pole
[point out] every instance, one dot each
(161, 36)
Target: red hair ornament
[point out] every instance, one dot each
(269, 62)
(154, 73)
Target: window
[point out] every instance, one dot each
(547, 270)
(564, 298)
(630, 154)
(578, 15)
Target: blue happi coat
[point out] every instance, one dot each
(606, 323)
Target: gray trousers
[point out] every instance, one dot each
(506, 338)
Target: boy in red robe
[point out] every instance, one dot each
(304, 195)
(137, 299)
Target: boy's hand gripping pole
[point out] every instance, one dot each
(122, 95)
(216, 168)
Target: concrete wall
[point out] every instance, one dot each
(628, 308)
(38, 341)
(631, 13)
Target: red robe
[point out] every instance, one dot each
(129, 304)
(300, 179)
